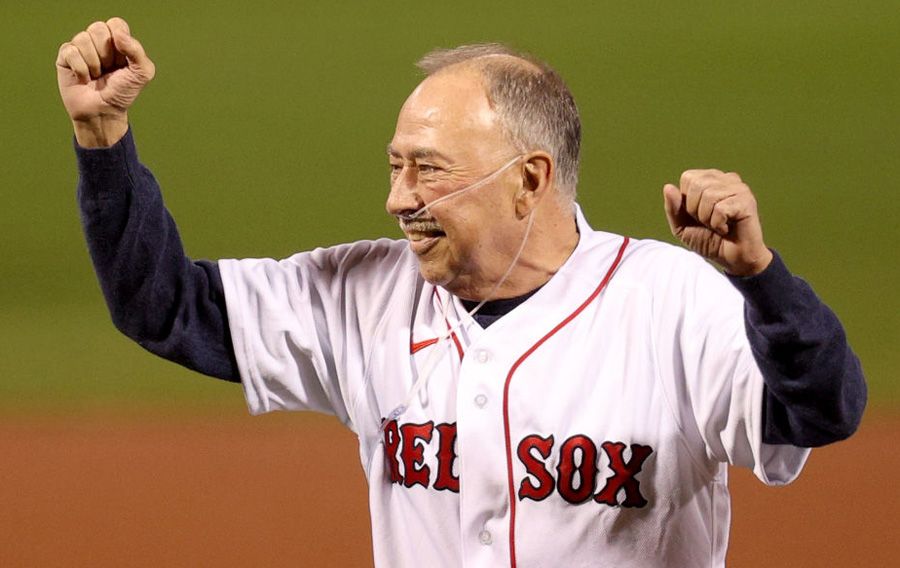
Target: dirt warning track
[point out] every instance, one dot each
(288, 490)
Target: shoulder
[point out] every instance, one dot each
(647, 257)
(367, 263)
(357, 256)
(663, 271)
(643, 261)
(644, 258)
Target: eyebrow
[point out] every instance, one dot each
(418, 153)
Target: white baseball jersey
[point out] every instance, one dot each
(590, 426)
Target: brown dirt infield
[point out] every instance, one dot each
(287, 490)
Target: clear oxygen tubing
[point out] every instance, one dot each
(435, 354)
(489, 178)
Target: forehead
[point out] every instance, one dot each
(447, 113)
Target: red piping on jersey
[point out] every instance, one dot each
(509, 376)
(459, 348)
(413, 347)
(419, 345)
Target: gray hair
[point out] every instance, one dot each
(531, 100)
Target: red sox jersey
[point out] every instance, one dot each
(592, 425)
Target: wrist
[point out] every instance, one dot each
(100, 131)
(752, 264)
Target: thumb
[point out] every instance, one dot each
(129, 47)
(673, 201)
(134, 53)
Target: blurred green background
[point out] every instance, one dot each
(267, 121)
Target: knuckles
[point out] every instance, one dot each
(691, 176)
(98, 29)
(81, 37)
(701, 179)
(118, 22)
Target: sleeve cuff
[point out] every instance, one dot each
(100, 166)
(770, 290)
(91, 160)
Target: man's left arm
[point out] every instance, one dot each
(815, 392)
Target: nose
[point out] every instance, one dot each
(403, 198)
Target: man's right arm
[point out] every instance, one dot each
(157, 296)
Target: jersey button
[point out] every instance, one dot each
(480, 401)
(482, 356)
(485, 537)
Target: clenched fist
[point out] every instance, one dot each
(100, 72)
(714, 214)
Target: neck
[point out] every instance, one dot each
(553, 237)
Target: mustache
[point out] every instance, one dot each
(420, 225)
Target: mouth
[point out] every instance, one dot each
(422, 244)
(422, 235)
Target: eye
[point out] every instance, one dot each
(428, 168)
(396, 168)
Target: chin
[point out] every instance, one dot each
(435, 273)
(432, 275)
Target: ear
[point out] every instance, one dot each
(537, 182)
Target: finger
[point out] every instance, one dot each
(61, 55)
(729, 212)
(118, 25)
(69, 57)
(712, 196)
(721, 214)
(733, 211)
(135, 54)
(85, 45)
(693, 193)
(688, 182)
(689, 175)
(694, 183)
(102, 40)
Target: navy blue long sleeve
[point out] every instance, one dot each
(815, 392)
(156, 295)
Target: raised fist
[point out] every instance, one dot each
(100, 73)
(714, 214)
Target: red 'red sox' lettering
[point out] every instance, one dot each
(413, 453)
(407, 444)
(623, 474)
(586, 470)
(391, 444)
(446, 456)
(577, 470)
(535, 467)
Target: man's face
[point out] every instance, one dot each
(447, 138)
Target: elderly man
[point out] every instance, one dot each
(527, 391)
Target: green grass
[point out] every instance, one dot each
(267, 121)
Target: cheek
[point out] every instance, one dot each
(463, 247)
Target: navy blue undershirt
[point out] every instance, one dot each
(174, 307)
(493, 310)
